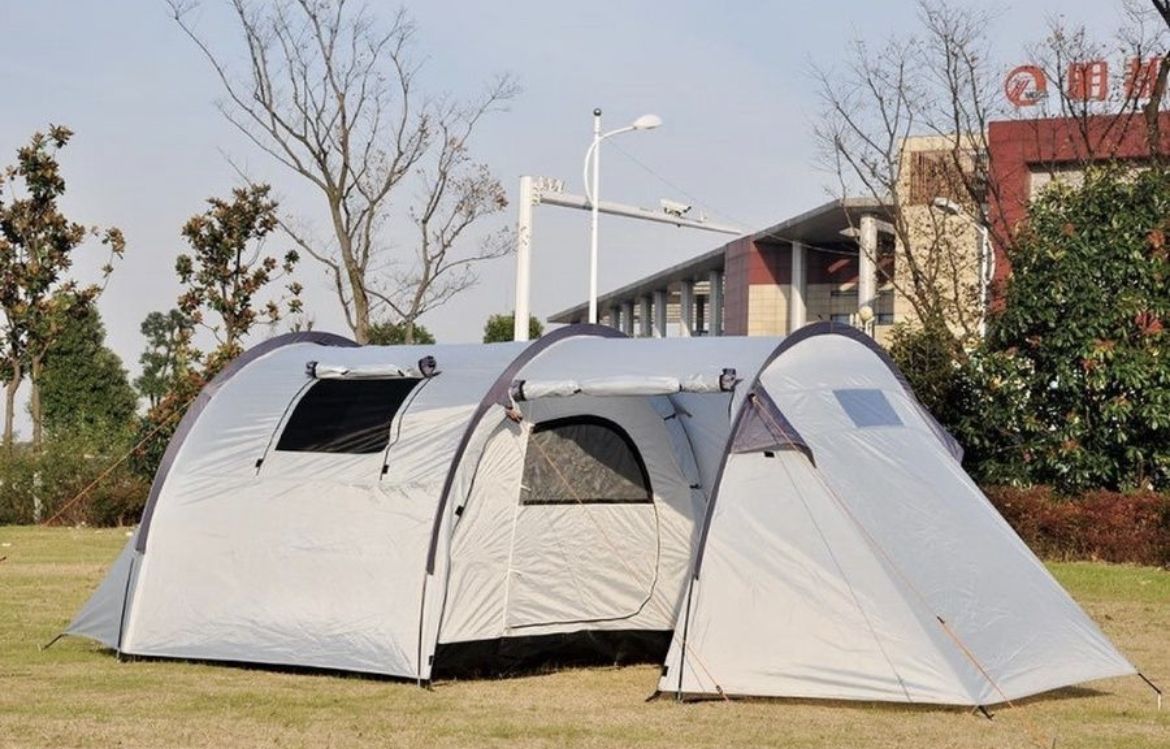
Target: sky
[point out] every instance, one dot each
(732, 82)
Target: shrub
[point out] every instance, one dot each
(1099, 525)
(34, 486)
(1086, 310)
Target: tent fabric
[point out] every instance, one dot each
(100, 618)
(808, 532)
(881, 569)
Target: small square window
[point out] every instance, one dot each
(868, 408)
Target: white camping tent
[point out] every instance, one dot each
(804, 531)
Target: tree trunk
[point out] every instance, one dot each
(361, 310)
(10, 406)
(34, 404)
(408, 331)
(1153, 110)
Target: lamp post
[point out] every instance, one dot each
(986, 261)
(592, 188)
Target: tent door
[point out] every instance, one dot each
(585, 544)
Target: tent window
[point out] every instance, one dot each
(583, 459)
(346, 416)
(868, 408)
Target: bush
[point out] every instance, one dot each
(1099, 525)
(1085, 314)
(930, 358)
(33, 487)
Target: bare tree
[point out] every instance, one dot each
(934, 85)
(330, 94)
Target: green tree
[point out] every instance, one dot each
(226, 270)
(395, 334)
(84, 388)
(1074, 389)
(499, 328)
(37, 243)
(168, 356)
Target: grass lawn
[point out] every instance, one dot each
(75, 694)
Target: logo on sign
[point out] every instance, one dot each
(1026, 86)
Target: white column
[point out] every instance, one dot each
(797, 306)
(628, 318)
(660, 298)
(523, 259)
(644, 317)
(867, 264)
(686, 308)
(715, 305)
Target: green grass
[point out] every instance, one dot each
(77, 695)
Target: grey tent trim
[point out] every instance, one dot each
(205, 395)
(763, 427)
(498, 394)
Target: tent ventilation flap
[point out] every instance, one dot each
(527, 390)
(426, 367)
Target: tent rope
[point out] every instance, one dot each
(1030, 727)
(613, 548)
(110, 468)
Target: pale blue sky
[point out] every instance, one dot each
(730, 80)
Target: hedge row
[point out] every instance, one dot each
(1097, 525)
(33, 488)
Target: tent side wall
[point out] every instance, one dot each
(904, 583)
(191, 417)
(102, 616)
(268, 554)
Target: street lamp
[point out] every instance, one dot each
(593, 154)
(986, 260)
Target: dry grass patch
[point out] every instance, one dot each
(76, 695)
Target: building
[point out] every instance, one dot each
(812, 266)
(746, 287)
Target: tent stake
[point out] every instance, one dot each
(50, 643)
(1153, 686)
(983, 710)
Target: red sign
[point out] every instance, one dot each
(1086, 81)
(1025, 86)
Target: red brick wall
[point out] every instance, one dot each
(738, 259)
(1016, 147)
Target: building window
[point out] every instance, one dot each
(934, 174)
(346, 416)
(583, 460)
(842, 318)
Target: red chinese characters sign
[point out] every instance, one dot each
(1087, 81)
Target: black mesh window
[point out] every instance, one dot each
(585, 460)
(345, 416)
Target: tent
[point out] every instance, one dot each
(772, 519)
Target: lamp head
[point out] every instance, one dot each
(647, 122)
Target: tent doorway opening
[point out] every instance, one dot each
(586, 539)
